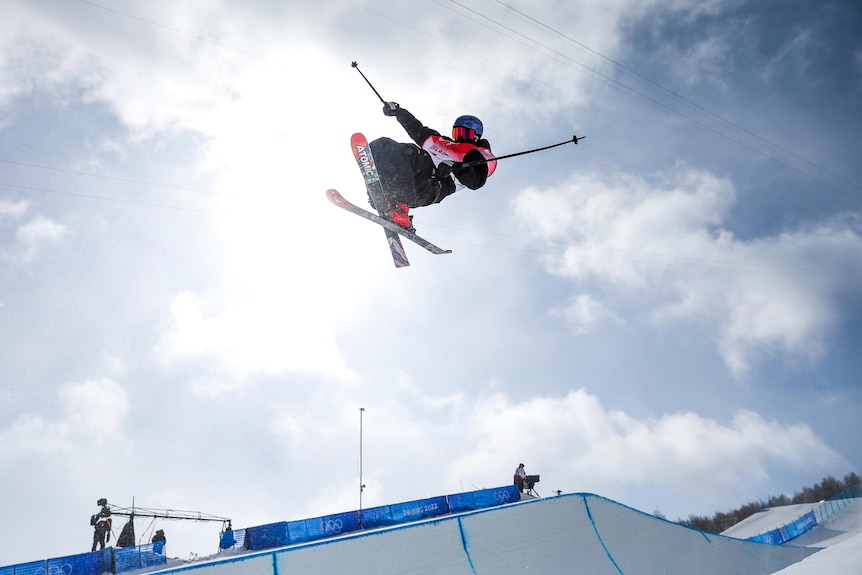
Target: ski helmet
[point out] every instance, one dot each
(467, 129)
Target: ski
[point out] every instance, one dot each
(337, 199)
(374, 189)
(365, 161)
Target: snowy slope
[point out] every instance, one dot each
(846, 524)
(845, 558)
(768, 519)
(578, 532)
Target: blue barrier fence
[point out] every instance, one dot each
(826, 510)
(787, 532)
(84, 564)
(482, 499)
(119, 560)
(830, 507)
(305, 530)
(113, 560)
(232, 538)
(139, 557)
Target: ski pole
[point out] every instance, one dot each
(574, 140)
(355, 65)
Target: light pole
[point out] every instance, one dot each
(361, 485)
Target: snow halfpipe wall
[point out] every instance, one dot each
(578, 533)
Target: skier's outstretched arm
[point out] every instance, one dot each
(414, 128)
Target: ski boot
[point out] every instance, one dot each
(397, 214)
(393, 211)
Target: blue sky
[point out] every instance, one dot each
(667, 314)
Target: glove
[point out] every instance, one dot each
(390, 108)
(444, 170)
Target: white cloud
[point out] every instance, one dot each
(31, 236)
(92, 415)
(38, 232)
(573, 440)
(796, 56)
(658, 242)
(181, 81)
(584, 314)
(12, 210)
(709, 60)
(266, 337)
(581, 444)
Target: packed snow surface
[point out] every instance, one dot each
(577, 532)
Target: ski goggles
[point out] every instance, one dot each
(464, 134)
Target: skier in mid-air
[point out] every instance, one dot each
(402, 176)
(436, 167)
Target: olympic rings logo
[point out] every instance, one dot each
(332, 526)
(65, 569)
(501, 496)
